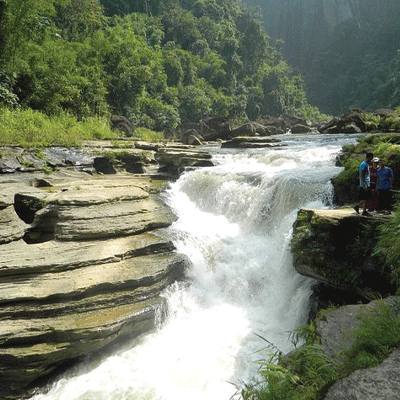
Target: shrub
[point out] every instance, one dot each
(148, 135)
(388, 245)
(306, 373)
(377, 335)
(29, 128)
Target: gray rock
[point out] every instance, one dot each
(175, 160)
(11, 226)
(381, 382)
(251, 142)
(335, 326)
(301, 128)
(246, 129)
(194, 140)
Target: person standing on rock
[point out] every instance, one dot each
(364, 193)
(384, 185)
(372, 203)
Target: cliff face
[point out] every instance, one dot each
(336, 247)
(82, 262)
(300, 22)
(339, 46)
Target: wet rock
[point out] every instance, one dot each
(175, 159)
(241, 142)
(336, 247)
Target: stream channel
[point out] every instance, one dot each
(235, 224)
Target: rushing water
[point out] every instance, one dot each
(235, 223)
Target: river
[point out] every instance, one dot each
(235, 223)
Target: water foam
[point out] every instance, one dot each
(235, 223)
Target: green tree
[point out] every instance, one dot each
(25, 21)
(79, 19)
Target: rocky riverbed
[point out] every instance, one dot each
(83, 259)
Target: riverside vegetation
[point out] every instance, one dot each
(310, 372)
(164, 63)
(159, 63)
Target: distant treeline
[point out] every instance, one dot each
(158, 62)
(347, 50)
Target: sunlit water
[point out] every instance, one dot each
(235, 224)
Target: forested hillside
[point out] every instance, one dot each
(158, 62)
(346, 50)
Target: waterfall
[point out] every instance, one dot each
(235, 223)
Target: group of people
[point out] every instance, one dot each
(376, 181)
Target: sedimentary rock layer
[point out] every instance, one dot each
(82, 266)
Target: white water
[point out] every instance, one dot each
(235, 223)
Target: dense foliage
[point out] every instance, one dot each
(307, 373)
(347, 51)
(158, 62)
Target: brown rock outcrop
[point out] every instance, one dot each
(81, 269)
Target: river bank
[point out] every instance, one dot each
(84, 230)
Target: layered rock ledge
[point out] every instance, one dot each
(82, 266)
(335, 247)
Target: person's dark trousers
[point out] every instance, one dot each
(385, 199)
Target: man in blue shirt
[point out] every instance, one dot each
(364, 192)
(384, 185)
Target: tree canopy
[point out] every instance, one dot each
(347, 51)
(158, 62)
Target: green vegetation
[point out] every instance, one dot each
(347, 51)
(377, 336)
(29, 128)
(159, 63)
(388, 246)
(307, 373)
(149, 135)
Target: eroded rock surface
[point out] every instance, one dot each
(336, 247)
(82, 266)
(381, 382)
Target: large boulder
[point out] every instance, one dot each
(336, 247)
(334, 331)
(241, 142)
(175, 159)
(123, 124)
(334, 327)
(216, 128)
(351, 122)
(381, 382)
(209, 129)
(246, 129)
(301, 128)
